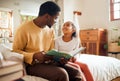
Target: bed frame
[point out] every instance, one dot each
(116, 79)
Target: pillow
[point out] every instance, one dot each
(33, 78)
(9, 55)
(1, 56)
(4, 48)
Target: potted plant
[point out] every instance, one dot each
(114, 46)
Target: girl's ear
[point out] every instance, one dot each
(73, 29)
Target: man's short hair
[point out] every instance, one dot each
(49, 7)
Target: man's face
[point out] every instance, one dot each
(52, 20)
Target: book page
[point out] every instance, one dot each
(77, 51)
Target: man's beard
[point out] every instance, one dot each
(49, 23)
(49, 26)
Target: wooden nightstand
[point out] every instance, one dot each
(94, 41)
(114, 48)
(115, 53)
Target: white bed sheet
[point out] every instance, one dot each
(103, 68)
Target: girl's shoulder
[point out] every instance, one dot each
(76, 38)
(58, 38)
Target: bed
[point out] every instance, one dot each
(103, 68)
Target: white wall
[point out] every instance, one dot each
(95, 14)
(18, 6)
(70, 6)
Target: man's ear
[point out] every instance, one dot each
(47, 16)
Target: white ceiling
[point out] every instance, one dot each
(40, 1)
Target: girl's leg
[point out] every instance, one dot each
(78, 67)
(86, 71)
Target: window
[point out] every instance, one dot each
(5, 23)
(114, 10)
(25, 18)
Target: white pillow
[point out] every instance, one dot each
(4, 48)
(1, 56)
(33, 78)
(9, 55)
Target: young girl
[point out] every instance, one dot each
(69, 41)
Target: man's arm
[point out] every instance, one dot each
(19, 44)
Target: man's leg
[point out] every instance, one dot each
(50, 72)
(78, 67)
(74, 73)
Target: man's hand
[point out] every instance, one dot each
(63, 61)
(39, 57)
(73, 59)
(48, 57)
(42, 57)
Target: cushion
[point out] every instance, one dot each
(33, 78)
(4, 48)
(1, 56)
(9, 55)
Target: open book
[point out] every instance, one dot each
(57, 55)
(77, 51)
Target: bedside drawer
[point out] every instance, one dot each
(94, 41)
(90, 38)
(89, 33)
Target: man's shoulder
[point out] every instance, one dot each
(25, 25)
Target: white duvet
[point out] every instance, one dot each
(102, 68)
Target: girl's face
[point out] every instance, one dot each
(67, 28)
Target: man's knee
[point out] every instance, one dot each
(62, 75)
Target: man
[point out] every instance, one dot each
(36, 37)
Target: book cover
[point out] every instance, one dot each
(58, 55)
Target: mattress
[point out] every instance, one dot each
(102, 68)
